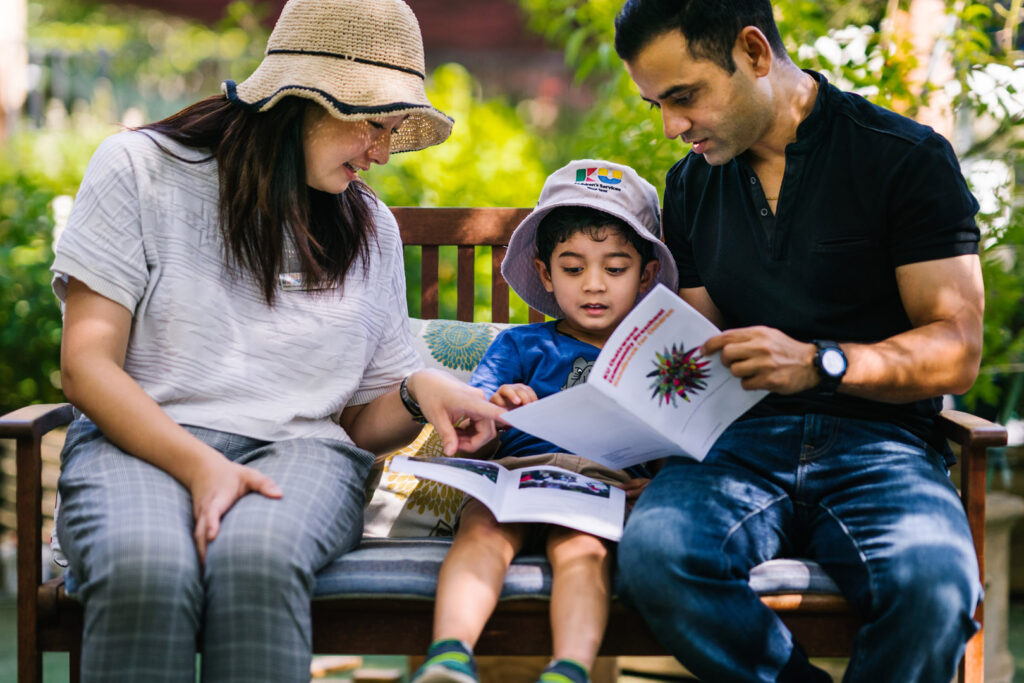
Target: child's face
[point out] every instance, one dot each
(596, 282)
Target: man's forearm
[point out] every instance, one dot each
(939, 358)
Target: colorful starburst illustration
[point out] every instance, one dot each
(678, 373)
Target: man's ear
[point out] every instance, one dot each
(650, 274)
(544, 273)
(752, 48)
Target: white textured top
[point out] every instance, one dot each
(204, 344)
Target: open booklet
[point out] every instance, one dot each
(532, 494)
(650, 394)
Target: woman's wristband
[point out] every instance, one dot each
(410, 403)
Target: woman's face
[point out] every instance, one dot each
(337, 150)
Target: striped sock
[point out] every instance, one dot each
(564, 671)
(447, 660)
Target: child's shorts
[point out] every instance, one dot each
(536, 536)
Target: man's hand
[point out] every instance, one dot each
(765, 358)
(513, 395)
(215, 488)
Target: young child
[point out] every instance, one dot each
(584, 256)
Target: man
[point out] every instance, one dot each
(835, 243)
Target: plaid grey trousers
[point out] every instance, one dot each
(126, 527)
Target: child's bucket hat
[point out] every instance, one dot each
(612, 188)
(356, 58)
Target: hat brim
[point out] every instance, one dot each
(520, 272)
(370, 90)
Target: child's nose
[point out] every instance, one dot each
(593, 281)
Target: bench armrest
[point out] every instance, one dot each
(34, 421)
(969, 430)
(27, 427)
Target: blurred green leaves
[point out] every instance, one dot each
(29, 315)
(491, 159)
(151, 61)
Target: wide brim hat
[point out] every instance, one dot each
(357, 58)
(612, 188)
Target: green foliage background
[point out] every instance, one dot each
(118, 60)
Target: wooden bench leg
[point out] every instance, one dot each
(30, 664)
(972, 666)
(75, 663)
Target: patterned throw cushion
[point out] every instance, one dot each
(401, 504)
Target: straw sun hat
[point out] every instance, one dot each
(609, 187)
(356, 58)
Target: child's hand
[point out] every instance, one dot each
(513, 395)
(633, 489)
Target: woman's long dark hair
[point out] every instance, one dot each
(263, 192)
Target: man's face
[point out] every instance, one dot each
(701, 103)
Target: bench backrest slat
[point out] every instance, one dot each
(428, 278)
(464, 228)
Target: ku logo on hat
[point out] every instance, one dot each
(604, 175)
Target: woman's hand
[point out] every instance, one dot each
(513, 395)
(461, 415)
(216, 486)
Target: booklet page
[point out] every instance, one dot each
(585, 421)
(652, 369)
(558, 496)
(543, 493)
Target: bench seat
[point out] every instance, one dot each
(378, 599)
(408, 568)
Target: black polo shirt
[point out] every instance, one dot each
(865, 190)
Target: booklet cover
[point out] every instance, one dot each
(531, 494)
(650, 393)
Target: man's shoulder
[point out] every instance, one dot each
(869, 119)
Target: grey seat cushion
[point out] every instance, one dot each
(407, 568)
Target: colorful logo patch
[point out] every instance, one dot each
(598, 175)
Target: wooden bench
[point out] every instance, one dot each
(49, 621)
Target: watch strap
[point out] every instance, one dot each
(410, 403)
(829, 382)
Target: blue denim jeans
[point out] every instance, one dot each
(869, 501)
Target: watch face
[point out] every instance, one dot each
(832, 362)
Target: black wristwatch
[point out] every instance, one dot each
(830, 362)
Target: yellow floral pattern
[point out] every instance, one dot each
(424, 496)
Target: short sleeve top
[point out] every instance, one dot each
(204, 343)
(541, 357)
(865, 191)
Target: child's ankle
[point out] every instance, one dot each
(452, 641)
(565, 671)
(448, 659)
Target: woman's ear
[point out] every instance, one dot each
(650, 274)
(544, 273)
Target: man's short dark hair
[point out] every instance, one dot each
(710, 27)
(563, 222)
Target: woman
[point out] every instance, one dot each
(235, 335)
